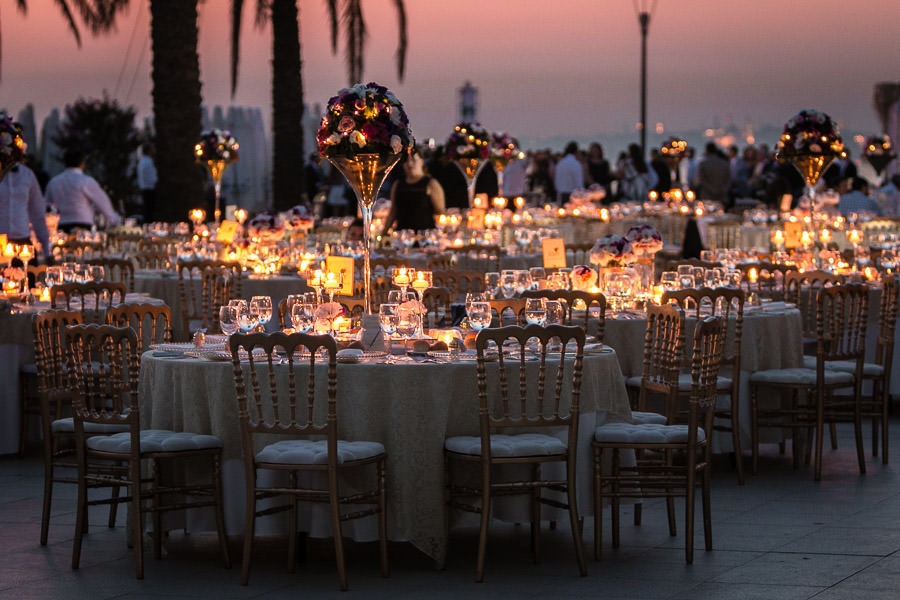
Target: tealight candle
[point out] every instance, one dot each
(519, 201)
(401, 278)
(331, 281)
(44, 295)
(419, 282)
(753, 275)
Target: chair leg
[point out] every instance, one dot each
(80, 513)
(336, 529)
(134, 473)
(832, 431)
(382, 521)
(220, 514)
(857, 430)
(48, 497)
(442, 562)
(670, 500)
(689, 513)
(249, 527)
(885, 406)
(820, 431)
(292, 525)
(598, 503)
(482, 533)
(113, 508)
(575, 522)
(535, 515)
(754, 428)
(616, 488)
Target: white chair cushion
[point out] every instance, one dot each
(640, 418)
(154, 440)
(523, 444)
(723, 384)
(800, 376)
(67, 425)
(869, 369)
(645, 433)
(309, 452)
(633, 382)
(30, 368)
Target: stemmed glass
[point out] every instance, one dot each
(389, 320)
(523, 281)
(303, 316)
(554, 311)
(492, 283)
(508, 283)
(247, 320)
(669, 280)
(402, 278)
(97, 272)
(474, 297)
(408, 321)
(479, 315)
(228, 319)
(262, 307)
(333, 282)
(535, 313)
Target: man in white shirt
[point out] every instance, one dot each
(146, 180)
(21, 202)
(569, 174)
(78, 196)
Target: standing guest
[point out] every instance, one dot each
(889, 197)
(858, 200)
(569, 174)
(415, 198)
(540, 177)
(713, 175)
(598, 168)
(687, 168)
(663, 175)
(514, 178)
(146, 180)
(78, 197)
(839, 176)
(636, 178)
(21, 203)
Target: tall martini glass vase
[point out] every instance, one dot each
(811, 167)
(879, 162)
(366, 173)
(470, 168)
(217, 170)
(499, 167)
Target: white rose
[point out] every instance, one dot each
(395, 116)
(357, 138)
(334, 138)
(396, 143)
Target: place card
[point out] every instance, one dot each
(344, 266)
(227, 231)
(793, 234)
(554, 253)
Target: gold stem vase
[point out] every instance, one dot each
(366, 173)
(216, 171)
(470, 168)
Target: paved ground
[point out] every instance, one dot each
(780, 536)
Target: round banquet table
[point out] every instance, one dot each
(409, 407)
(771, 338)
(17, 351)
(164, 284)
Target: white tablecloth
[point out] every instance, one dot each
(410, 408)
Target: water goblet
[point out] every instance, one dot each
(303, 316)
(247, 320)
(388, 320)
(523, 281)
(262, 306)
(97, 272)
(669, 280)
(508, 283)
(492, 283)
(535, 314)
(554, 311)
(228, 319)
(408, 319)
(479, 315)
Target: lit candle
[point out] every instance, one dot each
(561, 212)
(341, 324)
(653, 195)
(240, 214)
(519, 201)
(331, 281)
(25, 254)
(604, 214)
(401, 278)
(870, 273)
(499, 202)
(45, 294)
(419, 284)
(825, 236)
(657, 294)
(752, 275)
(854, 236)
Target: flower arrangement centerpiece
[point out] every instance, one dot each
(216, 149)
(364, 133)
(266, 227)
(811, 141)
(646, 241)
(612, 251)
(674, 148)
(469, 147)
(583, 278)
(879, 152)
(299, 218)
(504, 150)
(12, 145)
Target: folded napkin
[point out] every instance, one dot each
(439, 347)
(596, 348)
(167, 354)
(350, 352)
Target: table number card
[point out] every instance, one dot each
(554, 253)
(793, 234)
(227, 231)
(344, 265)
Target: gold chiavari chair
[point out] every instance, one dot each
(120, 270)
(102, 369)
(92, 299)
(152, 323)
(766, 279)
(289, 415)
(437, 303)
(666, 478)
(515, 406)
(509, 309)
(594, 304)
(841, 314)
(203, 287)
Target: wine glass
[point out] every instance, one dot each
(408, 319)
(535, 313)
(247, 320)
(388, 319)
(228, 319)
(669, 280)
(474, 297)
(554, 311)
(262, 306)
(302, 316)
(479, 315)
(508, 283)
(492, 283)
(523, 281)
(97, 272)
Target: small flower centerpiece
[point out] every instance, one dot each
(266, 227)
(504, 150)
(612, 254)
(216, 149)
(364, 133)
(298, 218)
(879, 152)
(583, 278)
(12, 145)
(674, 148)
(469, 147)
(646, 241)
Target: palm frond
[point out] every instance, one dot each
(237, 8)
(402, 41)
(263, 9)
(333, 21)
(64, 7)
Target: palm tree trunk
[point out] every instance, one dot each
(176, 107)
(287, 106)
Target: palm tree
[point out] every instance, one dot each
(98, 15)
(176, 106)
(287, 83)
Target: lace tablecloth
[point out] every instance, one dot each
(410, 408)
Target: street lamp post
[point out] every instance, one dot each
(644, 9)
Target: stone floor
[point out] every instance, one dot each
(780, 536)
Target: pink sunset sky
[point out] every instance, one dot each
(564, 68)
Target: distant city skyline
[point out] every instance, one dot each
(568, 69)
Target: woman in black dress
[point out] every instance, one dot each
(415, 197)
